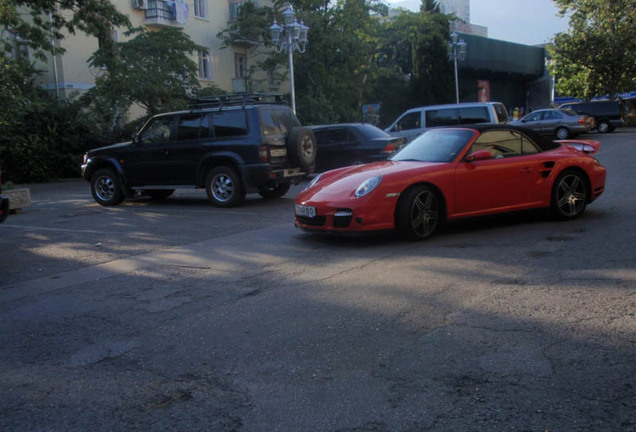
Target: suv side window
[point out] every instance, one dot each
(229, 123)
(286, 119)
(269, 122)
(277, 121)
(193, 126)
(158, 131)
(502, 114)
(409, 121)
(441, 117)
(473, 115)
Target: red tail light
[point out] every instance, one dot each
(583, 120)
(390, 148)
(263, 154)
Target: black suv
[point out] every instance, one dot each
(607, 114)
(228, 145)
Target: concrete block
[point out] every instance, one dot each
(18, 198)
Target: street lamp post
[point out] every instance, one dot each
(290, 36)
(456, 51)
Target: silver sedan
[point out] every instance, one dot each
(561, 124)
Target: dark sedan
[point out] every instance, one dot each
(352, 144)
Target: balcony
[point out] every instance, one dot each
(164, 14)
(238, 85)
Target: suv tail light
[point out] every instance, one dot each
(263, 154)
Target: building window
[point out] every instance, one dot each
(201, 8)
(234, 9)
(235, 6)
(273, 79)
(205, 65)
(240, 66)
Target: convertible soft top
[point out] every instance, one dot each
(543, 142)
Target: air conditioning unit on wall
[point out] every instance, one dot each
(140, 4)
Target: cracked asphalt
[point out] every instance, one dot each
(173, 315)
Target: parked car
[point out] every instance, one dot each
(415, 121)
(452, 173)
(608, 114)
(561, 124)
(352, 144)
(4, 203)
(227, 145)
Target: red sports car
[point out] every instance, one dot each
(452, 173)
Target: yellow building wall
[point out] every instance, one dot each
(75, 75)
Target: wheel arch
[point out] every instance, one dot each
(435, 189)
(216, 159)
(98, 163)
(580, 171)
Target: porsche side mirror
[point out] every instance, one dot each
(479, 155)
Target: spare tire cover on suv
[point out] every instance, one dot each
(301, 147)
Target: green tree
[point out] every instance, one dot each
(597, 56)
(42, 138)
(153, 69)
(37, 22)
(336, 73)
(414, 57)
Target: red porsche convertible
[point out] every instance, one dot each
(453, 173)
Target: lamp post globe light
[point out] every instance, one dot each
(291, 36)
(456, 51)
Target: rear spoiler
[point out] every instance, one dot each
(586, 146)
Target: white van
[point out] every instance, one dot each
(415, 121)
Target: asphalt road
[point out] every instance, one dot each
(174, 315)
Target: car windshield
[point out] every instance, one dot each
(372, 132)
(439, 145)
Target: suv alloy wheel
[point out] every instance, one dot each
(224, 187)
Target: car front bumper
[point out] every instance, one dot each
(348, 215)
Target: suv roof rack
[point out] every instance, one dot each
(240, 99)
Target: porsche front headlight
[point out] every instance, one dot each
(367, 186)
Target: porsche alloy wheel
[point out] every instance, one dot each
(419, 213)
(569, 195)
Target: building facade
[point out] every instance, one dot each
(461, 8)
(69, 74)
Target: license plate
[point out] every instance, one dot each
(305, 211)
(277, 152)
